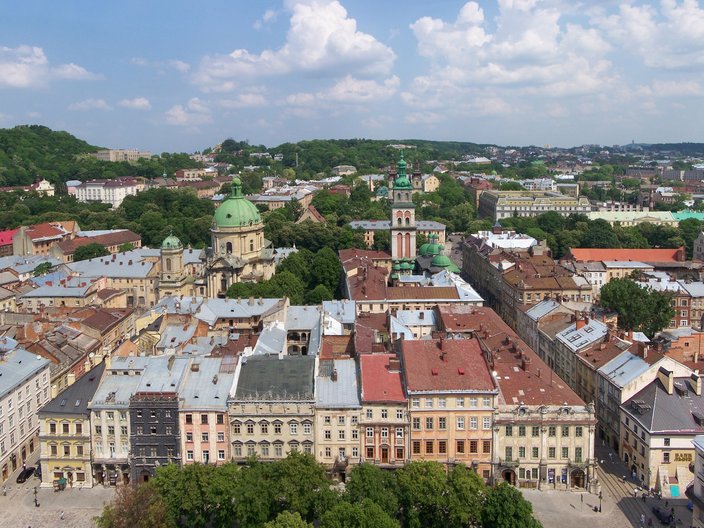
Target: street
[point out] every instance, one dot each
(619, 506)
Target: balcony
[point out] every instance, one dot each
(508, 463)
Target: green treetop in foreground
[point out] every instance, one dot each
(296, 492)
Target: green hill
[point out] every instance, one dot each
(30, 152)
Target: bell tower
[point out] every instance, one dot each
(403, 216)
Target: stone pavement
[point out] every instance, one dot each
(80, 506)
(620, 509)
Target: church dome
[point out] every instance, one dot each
(402, 181)
(236, 210)
(171, 242)
(441, 261)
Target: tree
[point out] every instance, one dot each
(367, 481)
(511, 186)
(368, 514)
(467, 493)
(127, 246)
(89, 251)
(42, 269)
(288, 520)
(327, 269)
(599, 234)
(505, 507)
(423, 495)
(135, 507)
(638, 308)
(297, 263)
(295, 483)
(318, 294)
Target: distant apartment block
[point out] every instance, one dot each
(122, 154)
(108, 191)
(506, 204)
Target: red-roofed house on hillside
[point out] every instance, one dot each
(452, 398)
(383, 422)
(65, 249)
(6, 242)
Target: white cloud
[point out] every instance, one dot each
(90, 104)
(138, 103)
(348, 91)
(171, 64)
(192, 114)
(671, 37)
(269, 16)
(244, 100)
(28, 67)
(321, 39)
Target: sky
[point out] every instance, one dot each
(180, 76)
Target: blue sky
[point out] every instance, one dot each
(184, 75)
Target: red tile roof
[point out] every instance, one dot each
(379, 382)
(6, 237)
(335, 347)
(349, 254)
(636, 255)
(432, 292)
(47, 230)
(445, 365)
(108, 239)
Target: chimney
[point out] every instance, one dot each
(680, 256)
(394, 365)
(251, 301)
(581, 322)
(642, 350)
(696, 384)
(525, 363)
(667, 378)
(333, 375)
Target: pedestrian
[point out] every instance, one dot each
(62, 516)
(642, 519)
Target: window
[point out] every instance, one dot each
(52, 449)
(429, 403)
(98, 429)
(428, 424)
(578, 454)
(399, 432)
(370, 414)
(264, 427)
(551, 452)
(67, 450)
(189, 418)
(277, 428)
(250, 428)
(534, 452)
(236, 428)
(415, 403)
(152, 429)
(459, 402)
(473, 422)
(535, 431)
(384, 414)
(460, 446)
(237, 450)
(578, 431)
(416, 447)
(667, 442)
(341, 434)
(486, 446)
(79, 450)
(473, 402)
(473, 446)
(355, 452)
(509, 430)
(341, 419)
(486, 423)
(429, 445)
(442, 447)
(306, 428)
(327, 434)
(353, 420)
(416, 424)
(442, 403)
(123, 430)
(565, 430)
(552, 430)
(328, 452)
(521, 430)
(204, 437)
(355, 434)
(399, 414)
(111, 429)
(385, 432)
(509, 453)
(189, 455)
(220, 419)
(221, 454)
(64, 428)
(204, 419)
(221, 436)
(442, 423)
(294, 428)
(521, 452)
(189, 437)
(52, 428)
(460, 422)
(370, 431)
(565, 452)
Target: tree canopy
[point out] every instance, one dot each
(640, 309)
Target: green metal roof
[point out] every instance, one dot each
(171, 242)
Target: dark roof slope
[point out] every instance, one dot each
(74, 399)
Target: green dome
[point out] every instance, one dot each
(441, 261)
(394, 275)
(402, 181)
(236, 210)
(423, 251)
(171, 242)
(397, 266)
(382, 191)
(406, 266)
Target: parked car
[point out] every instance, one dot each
(25, 474)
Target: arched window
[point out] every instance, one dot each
(408, 196)
(251, 245)
(168, 264)
(408, 221)
(399, 245)
(228, 248)
(400, 221)
(408, 245)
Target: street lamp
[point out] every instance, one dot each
(600, 496)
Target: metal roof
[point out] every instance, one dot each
(74, 399)
(343, 392)
(18, 366)
(576, 339)
(624, 368)
(275, 377)
(204, 386)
